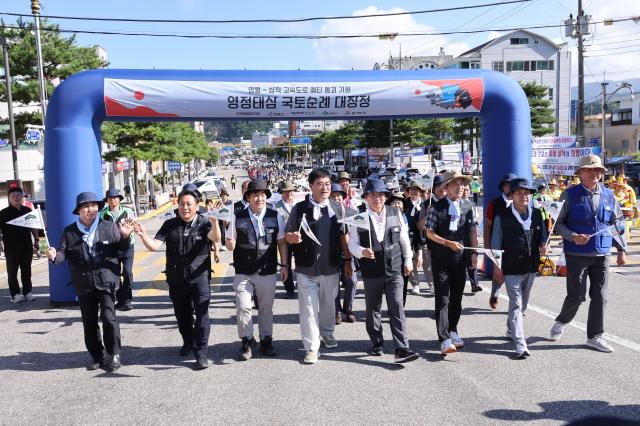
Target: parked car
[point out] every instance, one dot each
(208, 189)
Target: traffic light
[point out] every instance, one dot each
(14, 184)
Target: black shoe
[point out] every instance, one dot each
(405, 355)
(186, 349)
(202, 363)
(247, 345)
(290, 295)
(266, 346)
(377, 350)
(94, 365)
(112, 364)
(476, 288)
(118, 306)
(125, 307)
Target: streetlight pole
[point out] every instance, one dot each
(35, 10)
(603, 105)
(7, 76)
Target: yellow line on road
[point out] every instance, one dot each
(158, 285)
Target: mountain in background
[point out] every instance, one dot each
(592, 90)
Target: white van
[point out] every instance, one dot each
(337, 165)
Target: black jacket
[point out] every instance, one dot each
(100, 270)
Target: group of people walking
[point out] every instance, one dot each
(387, 236)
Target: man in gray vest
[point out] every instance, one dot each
(316, 236)
(380, 252)
(283, 207)
(255, 234)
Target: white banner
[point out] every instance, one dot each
(223, 213)
(33, 219)
(360, 220)
(553, 208)
(233, 99)
(553, 142)
(556, 161)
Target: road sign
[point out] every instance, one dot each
(300, 141)
(174, 166)
(33, 135)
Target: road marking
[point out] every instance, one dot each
(577, 324)
(158, 285)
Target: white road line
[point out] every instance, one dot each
(577, 324)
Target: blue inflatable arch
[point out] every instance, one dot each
(82, 102)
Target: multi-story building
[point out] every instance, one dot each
(527, 57)
(622, 132)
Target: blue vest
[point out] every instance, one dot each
(581, 219)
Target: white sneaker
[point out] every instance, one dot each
(456, 340)
(522, 351)
(556, 331)
(600, 344)
(29, 297)
(447, 347)
(311, 357)
(416, 290)
(17, 298)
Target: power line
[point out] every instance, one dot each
(614, 53)
(270, 20)
(313, 36)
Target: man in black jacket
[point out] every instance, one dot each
(91, 246)
(188, 267)
(520, 231)
(451, 226)
(256, 235)
(18, 247)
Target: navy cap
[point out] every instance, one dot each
(336, 187)
(87, 197)
(375, 185)
(112, 193)
(520, 183)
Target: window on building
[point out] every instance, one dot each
(625, 144)
(542, 65)
(515, 66)
(464, 65)
(524, 40)
(550, 91)
(475, 65)
(497, 66)
(550, 65)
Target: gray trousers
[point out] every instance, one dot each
(316, 301)
(414, 277)
(264, 287)
(391, 288)
(518, 288)
(578, 269)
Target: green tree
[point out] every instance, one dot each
(154, 142)
(61, 55)
(542, 115)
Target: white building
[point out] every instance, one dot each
(310, 127)
(622, 133)
(526, 57)
(259, 140)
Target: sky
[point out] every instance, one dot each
(614, 50)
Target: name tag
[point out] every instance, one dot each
(395, 229)
(105, 242)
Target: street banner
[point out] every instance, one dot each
(282, 99)
(33, 220)
(557, 161)
(223, 213)
(304, 225)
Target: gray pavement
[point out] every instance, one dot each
(43, 380)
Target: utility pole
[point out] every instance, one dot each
(12, 126)
(35, 10)
(577, 28)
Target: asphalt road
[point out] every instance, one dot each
(43, 380)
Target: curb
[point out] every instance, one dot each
(163, 208)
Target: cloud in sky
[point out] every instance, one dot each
(363, 53)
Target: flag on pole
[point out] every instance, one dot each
(553, 208)
(427, 180)
(613, 230)
(33, 219)
(361, 220)
(495, 256)
(304, 225)
(223, 213)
